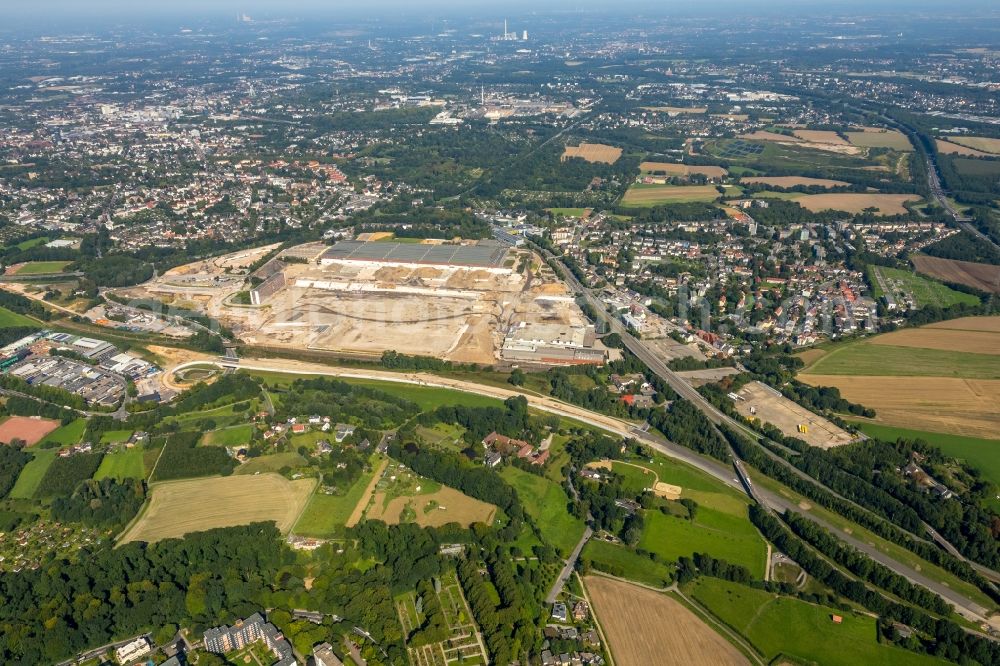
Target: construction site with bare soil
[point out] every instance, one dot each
(463, 301)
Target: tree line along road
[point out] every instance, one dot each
(716, 469)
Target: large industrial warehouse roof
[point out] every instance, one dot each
(486, 255)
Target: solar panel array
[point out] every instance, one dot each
(484, 255)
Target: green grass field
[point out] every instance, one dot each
(721, 527)
(115, 436)
(864, 358)
(324, 514)
(9, 319)
(31, 475)
(786, 626)
(271, 463)
(67, 435)
(127, 464)
(231, 436)
(545, 501)
(923, 290)
(426, 397)
(567, 212)
(222, 416)
(624, 562)
(724, 536)
(979, 453)
(42, 267)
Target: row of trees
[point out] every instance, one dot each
(13, 458)
(753, 455)
(946, 639)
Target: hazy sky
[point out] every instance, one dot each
(58, 12)
(40, 7)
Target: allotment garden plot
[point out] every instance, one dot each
(463, 644)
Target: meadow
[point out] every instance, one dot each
(29, 478)
(9, 319)
(866, 357)
(68, 434)
(324, 514)
(274, 462)
(42, 267)
(621, 561)
(721, 535)
(799, 631)
(236, 435)
(922, 290)
(116, 436)
(546, 502)
(126, 464)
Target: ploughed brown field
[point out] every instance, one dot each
(792, 181)
(28, 429)
(593, 152)
(980, 276)
(646, 627)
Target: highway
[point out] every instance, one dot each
(962, 604)
(963, 221)
(718, 470)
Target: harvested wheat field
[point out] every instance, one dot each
(887, 204)
(990, 324)
(446, 505)
(646, 627)
(985, 277)
(875, 137)
(821, 136)
(675, 169)
(969, 407)
(764, 135)
(947, 339)
(176, 508)
(593, 152)
(949, 148)
(985, 144)
(28, 429)
(792, 181)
